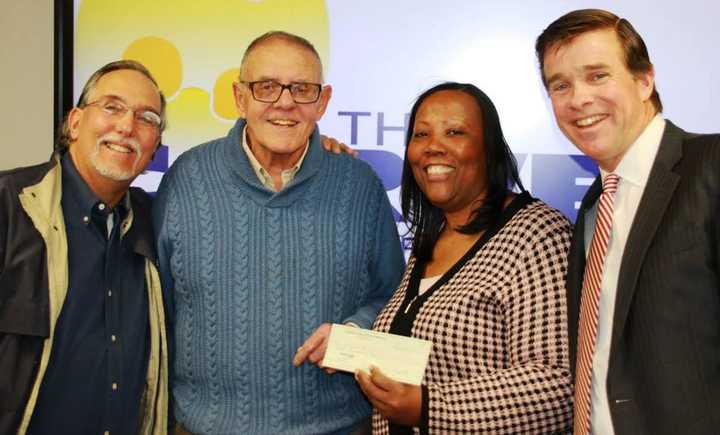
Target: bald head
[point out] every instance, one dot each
(280, 37)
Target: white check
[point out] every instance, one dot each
(400, 358)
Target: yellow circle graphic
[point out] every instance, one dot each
(193, 50)
(162, 59)
(224, 101)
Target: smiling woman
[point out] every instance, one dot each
(457, 125)
(485, 283)
(446, 152)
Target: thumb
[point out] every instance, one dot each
(381, 380)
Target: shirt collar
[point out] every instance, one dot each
(638, 160)
(263, 175)
(76, 189)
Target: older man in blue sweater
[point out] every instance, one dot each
(264, 239)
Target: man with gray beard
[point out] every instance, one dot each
(83, 345)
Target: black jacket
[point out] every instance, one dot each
(664, 363)
(24, 301)
(34, 272)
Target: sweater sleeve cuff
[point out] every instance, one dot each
(425, 411)
(359, 321)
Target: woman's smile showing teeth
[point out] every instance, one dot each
(446, 150)
(438, 169)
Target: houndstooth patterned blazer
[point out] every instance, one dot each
(498, 324)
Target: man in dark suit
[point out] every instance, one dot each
(644, 271)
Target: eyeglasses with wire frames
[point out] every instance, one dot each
(269, 91)
(114, 108)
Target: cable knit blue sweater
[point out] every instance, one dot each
(254, 272)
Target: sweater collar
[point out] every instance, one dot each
(240, 166)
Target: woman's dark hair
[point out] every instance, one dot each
(427, 221)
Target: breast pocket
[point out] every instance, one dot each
(24, 326)
(20, 352)
(19, 358)
(24, 306)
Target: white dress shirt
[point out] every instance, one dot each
(633, 170)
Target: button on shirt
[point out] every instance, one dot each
(633, 170)
(97, 368)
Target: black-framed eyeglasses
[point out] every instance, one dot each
(269, 91)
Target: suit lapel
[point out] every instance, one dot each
(659, 190)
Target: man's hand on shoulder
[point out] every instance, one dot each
(332, 145)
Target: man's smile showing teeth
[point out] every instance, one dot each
(590, 120)
(438, 169)
(283, 122)
(118, 148)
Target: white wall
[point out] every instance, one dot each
(26, 78)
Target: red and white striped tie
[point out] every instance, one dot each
(589, 300)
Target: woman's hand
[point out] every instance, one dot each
(398, 402)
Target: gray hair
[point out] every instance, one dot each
(64, 139)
